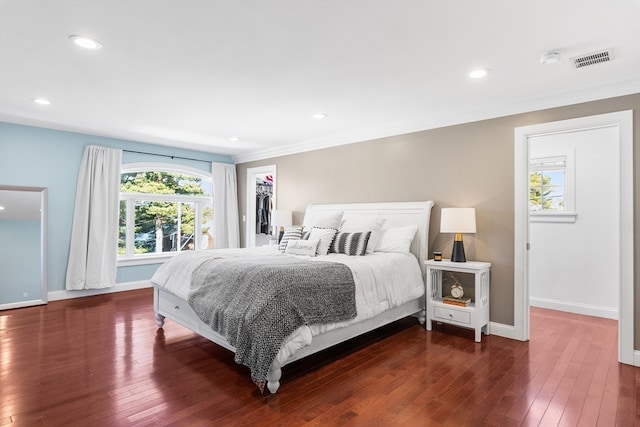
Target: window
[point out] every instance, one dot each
(551, 189)
(163, 210)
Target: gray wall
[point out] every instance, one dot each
(464, 165)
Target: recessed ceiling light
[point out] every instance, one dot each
(478, 73)
(1, 208)
(85, 42)
(41, 101)
(234, 139)
(320, 116)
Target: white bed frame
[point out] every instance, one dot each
(167, 305)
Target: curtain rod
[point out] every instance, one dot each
(167, 155)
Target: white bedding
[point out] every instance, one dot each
(382, 280)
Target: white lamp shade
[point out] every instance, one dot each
(281, 218)
(458, 220)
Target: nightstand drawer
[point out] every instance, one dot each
(452, 314)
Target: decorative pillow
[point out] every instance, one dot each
(322, 220)
(397, 239)
(290, 233)
(325, 235)
(364, 223)
(302, 247)
(351, 243)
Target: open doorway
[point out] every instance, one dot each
(621, 184)
(261, 200)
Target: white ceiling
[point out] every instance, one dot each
(194, 73)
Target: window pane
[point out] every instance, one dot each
(554, 194)
(546, 190)
(207, 228)
(122, 229)
(178, 218)
(155, 223)
(187, 226)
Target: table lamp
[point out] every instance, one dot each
(458, 221)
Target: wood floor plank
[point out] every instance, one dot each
(101, 361)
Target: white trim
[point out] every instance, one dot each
(502, 330)
(623, 120)
(553, 216)
(571, 307)
(636, 358)
(22, 304)
(146, 259)
(119, 287)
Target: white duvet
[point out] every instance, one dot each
(383, 281)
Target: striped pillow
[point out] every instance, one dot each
(351, 243)
(290, 233)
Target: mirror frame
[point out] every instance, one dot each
(43, 248)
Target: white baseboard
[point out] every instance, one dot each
(636, 358)
(502, 330)
(21, 304)
(119, 287)
(571, 307)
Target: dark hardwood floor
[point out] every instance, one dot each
(100, 361)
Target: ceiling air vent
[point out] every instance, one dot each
(591, 59)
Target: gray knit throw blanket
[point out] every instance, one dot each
(257, 303)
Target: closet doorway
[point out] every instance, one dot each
(261, 200)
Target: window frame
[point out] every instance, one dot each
(130, 258)
(569, 213)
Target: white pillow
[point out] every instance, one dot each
(326, 236)
(302, 247)
(322, 220)
(397, 239)
(362, 224)
(290, 233)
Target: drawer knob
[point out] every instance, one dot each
(177, 307)
(450, 314)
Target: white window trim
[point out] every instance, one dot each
(552, 216)
(569, 215)
(154, 258)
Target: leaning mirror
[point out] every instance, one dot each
(23, 243)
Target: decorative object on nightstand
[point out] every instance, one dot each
(457, 292)
(437, 256)
(458, 221)
(280, 219)
(458, 311)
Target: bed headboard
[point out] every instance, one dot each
(397, 214)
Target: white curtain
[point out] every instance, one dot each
(226, 229)
(94, 236)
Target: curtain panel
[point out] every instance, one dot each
(226, 227)
(94, 236)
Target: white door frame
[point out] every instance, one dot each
(250, 225)
(623, 120)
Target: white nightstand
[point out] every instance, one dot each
(476, 314)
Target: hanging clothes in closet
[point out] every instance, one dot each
(264, 191)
